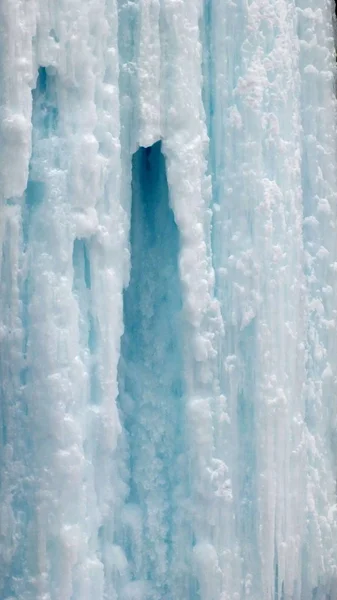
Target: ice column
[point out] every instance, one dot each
(261, 86)
(64, 262)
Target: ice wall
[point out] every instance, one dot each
(167, 300)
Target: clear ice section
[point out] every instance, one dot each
(168, 271)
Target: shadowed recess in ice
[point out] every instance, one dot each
(168, 285)
(151, 378)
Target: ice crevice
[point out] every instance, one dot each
(168, 255)
(151, 377)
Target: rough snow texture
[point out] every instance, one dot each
(168, 421)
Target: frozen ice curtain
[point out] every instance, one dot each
(168, 300)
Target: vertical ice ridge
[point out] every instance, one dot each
(185, 147)
(148, 73)
(319, 199)
(14, 437)
(17, 78)
(277, 234)
(248, 154)
(58, 552)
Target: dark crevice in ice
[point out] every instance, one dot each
(150, 373)
(87, 329)
(45, 114)
(81, 261)
(54, 36)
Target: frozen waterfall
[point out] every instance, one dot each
(168, 300)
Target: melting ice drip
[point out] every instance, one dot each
(168, 300)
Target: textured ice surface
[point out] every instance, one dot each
(168, 271)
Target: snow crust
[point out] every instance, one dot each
(168, 318)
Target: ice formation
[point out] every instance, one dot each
(168, 269)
